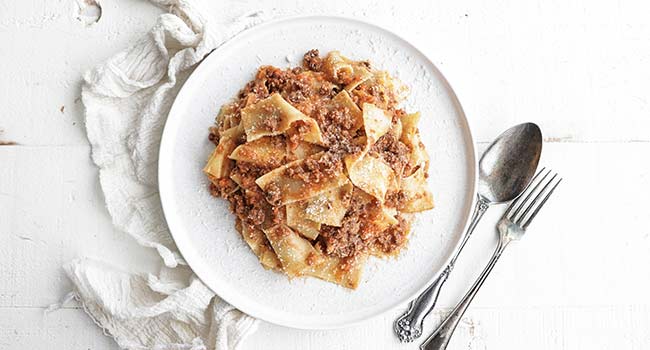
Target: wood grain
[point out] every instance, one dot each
(578, 280)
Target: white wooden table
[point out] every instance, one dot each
(580, 69)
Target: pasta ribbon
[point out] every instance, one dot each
(369, 173)
(299, 258)
(328, 167)
(411, 138)
(219, 165)
(265, 151)
(298, 220)
(344, 101)
(375, 122)
(416, 194)
(260, 245)
(288, 189)
(329, 207)
(303, 150)
(273, 116)
(345, 71)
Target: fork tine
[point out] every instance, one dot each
(539, 195)
(516, 201)
(520, 203)
(541, 204)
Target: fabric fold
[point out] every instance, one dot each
(127, 100)
(138, 316)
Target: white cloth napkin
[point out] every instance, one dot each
(127, 99)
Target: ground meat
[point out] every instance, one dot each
(378, 96)
(360, 97)
(398, 114)
(271, 123)
(297, 90)
(395, 199)
(238, 204)
(344, 241)
(336, 126)
(222, 187)
(357, 235)
(213, 136)
(340, 141)
(296, 97)
(255, 88)
(393, 151)
(277, 215)
(341, 116)
(275, 78)
(250, 206)
(296, 134)
(273, 194)
(310, 90)
(312, 259)
(248, 173)
(353, 237)
(328, 91)
(316, 170)
(320, 115)
(377, 92)
(312, 60)
(391, 240)
(256, 216)
(330, 164)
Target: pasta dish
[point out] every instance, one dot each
(321, 166)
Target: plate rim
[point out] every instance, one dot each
(165, 181)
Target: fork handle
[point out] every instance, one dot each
(408, 326)
(441, 336)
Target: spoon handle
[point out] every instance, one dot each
(441, 336)
(408, 327)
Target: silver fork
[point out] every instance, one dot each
(511, 227)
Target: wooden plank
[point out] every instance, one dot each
(574, 267)
(597, 328)
(578, 69)
(594, 328)
(577, 281)
(52, 211)
(69, 329)
(46, 51)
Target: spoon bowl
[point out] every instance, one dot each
(509, 163)
(505, 169)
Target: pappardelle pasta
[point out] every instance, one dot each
(321, 166)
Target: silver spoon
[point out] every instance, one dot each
(511, 227)
(505, 169)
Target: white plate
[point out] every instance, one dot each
(203, 228)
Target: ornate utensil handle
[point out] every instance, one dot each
(408, 327)
(441, 336)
